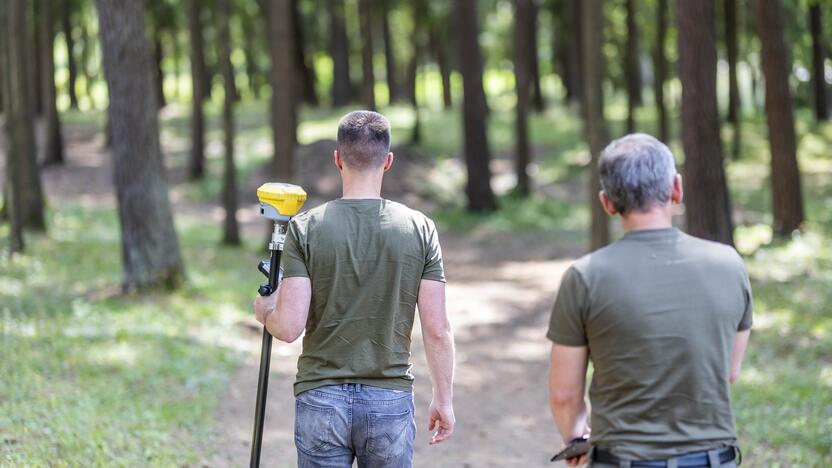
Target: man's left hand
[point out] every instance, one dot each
(263, 306)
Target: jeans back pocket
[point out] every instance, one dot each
(313, 425)
(389, 435)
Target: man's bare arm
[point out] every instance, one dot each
(284, 313)
(740, 345)
(439, 350)
(567, 380)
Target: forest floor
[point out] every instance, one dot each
(106, 380)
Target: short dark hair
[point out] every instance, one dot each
(363, 139)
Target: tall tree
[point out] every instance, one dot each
(231, 230)
(306, 72)
(69, 40)
(708, 207)
(477, 154)
(281, 77)
(53, 147)
(523, 51)
(660, 67)
(592, 104)
(818, 57)
(196, 161)
(439, 39)
(632, 66)
(368, 80)
(339, 47)
(732, 49)
(159, 75)
(568, 39)
(389, 54)
(420, 23)
(787, 197)
(149, 247)
(32, 17)
(534, 60)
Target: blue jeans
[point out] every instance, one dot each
(339, 423)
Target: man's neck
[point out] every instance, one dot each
(361, 185)
(660, 217)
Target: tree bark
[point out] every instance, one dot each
(231, 230)
(281, 76)
(32, 14)
(633, 68)
(340, 50)
(818, 56)
(523, 51)
(368, 80)
(159, 76)
(69, 40)
(389, 54)
(534, 62)
(660, 66)
(595, 127)
(53, 147)
(150, 249)
(477, 154)
(196, 161)
(306, 72)
(568, 38)
(438, 43)
(787, 197)
(708, 207)
(732, 49)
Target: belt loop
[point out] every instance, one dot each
(358, 388)
(624, 464)
(673, 462)
(713, 459)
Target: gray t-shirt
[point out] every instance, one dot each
(658, 311)
(366, 259)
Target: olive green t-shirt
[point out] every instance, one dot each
(658, 311)
(365, 259)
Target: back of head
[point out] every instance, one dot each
(637, 173)
(363, 140)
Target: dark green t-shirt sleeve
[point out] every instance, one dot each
(293, 260)
(567, 326)
(748, 313)
(434, 270)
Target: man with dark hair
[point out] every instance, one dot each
(665, 318)
(354, 270)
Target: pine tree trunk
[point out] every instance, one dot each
(523, 51)
(306, 72)
(732, 48)
(477, 154)
(660, 66)
(253, 71)
(787, 197)
(368, 80)
(281, 76)
(534, 62)
(53, 147)
(708, 206)
(32, 15)
(567, 17)
(231, 230)
(196, 161)
(595, 127)
(86, 53)
(150, 249)
(340, 50)
(389, 54)
(440, 47)
(66, 24)
(818, 56)
(633, 67)
(159, 77)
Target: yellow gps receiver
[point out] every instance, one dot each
(279, 201)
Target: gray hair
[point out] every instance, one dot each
(637, 172)
(363, 139)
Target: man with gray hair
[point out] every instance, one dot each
(665, 319)
(354, 270)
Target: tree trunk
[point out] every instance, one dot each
(53, 147)
(732, 49)
(523, 51)
(708, 207)
(568, 36)
(231, 230)
(389, 55)
(818, 56)
(196, 161)
(368, 81)
(159, 75)
(252, 67)
(787, 197)
(340, 50)
(66, 24)
(281, 77)
(660, 66)
(150, 249)
(32, 15)
(438, 43)
(595, 127)
(306, 72)
(477, 154)
(420, 23)
(86, 54)
(534, 62)
(633, 68)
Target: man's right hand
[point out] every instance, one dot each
(441, 421)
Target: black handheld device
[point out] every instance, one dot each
(579, 446)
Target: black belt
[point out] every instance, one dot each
(693, 459)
